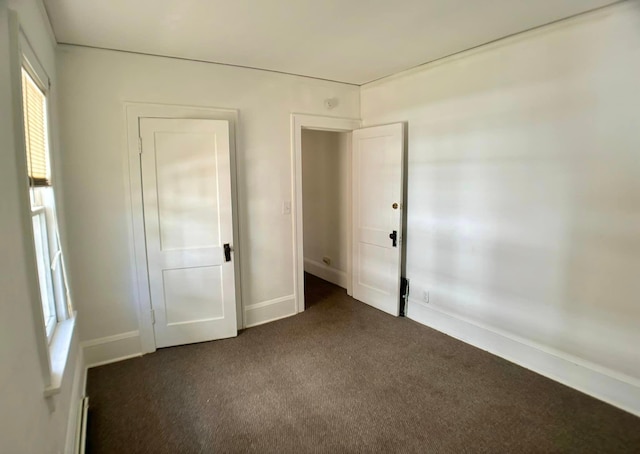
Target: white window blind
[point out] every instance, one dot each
(35, 128)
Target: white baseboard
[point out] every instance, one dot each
(603, 384)
(105, 350)
(325, 272)
(269, 311)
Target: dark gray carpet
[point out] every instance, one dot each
(342, 377)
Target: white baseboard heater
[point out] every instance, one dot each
(81, 431)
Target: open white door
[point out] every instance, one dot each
(186, 181)
(377, 220)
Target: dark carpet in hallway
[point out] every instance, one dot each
(342, 377)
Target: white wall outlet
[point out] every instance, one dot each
(326, 260)
(286, 207)
(425, 296)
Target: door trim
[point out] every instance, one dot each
(138, 254)
(320, 123)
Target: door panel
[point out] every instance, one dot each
(187, 208)
(376, 271)
(193, 294)
(377, 203)
(186, 182)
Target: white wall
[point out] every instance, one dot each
(325, 191)
(95, 84)
(524, 186)
(29, 423)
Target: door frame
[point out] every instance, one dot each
(138, 249)
(318, 123)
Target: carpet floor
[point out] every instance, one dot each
(342, 377)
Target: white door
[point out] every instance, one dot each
(186, 182)
(377, 220)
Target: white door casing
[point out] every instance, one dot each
(185, 166)
(378, 154)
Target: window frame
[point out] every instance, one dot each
(54, 356)
(42, 205)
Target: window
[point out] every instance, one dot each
(51, 277)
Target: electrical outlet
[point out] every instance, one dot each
(425, 296)
(286, 207)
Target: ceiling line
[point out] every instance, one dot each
(411, 68)
(493, 41)
(209, 62)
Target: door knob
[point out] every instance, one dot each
(394, 238)
(227, 252)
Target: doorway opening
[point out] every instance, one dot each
(372, 208)
(326, 202)
(312, 127)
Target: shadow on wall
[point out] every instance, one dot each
(524, 183)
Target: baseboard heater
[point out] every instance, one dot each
(81, 431)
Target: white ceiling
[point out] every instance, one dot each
(354, 41)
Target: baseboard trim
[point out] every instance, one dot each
(269, 311)
(611, 387)
(325, 272)
(105, 350)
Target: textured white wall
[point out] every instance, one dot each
(95, 84)
(325, 181)
(29, 423)
(524, 184)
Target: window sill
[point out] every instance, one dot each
(59, 349)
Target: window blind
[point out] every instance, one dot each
(35, 129)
